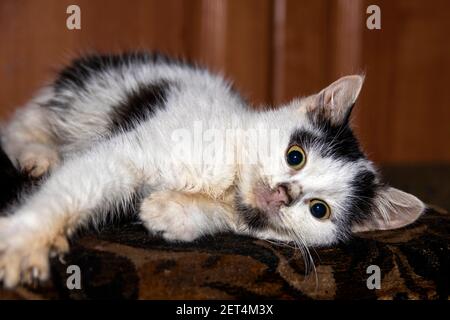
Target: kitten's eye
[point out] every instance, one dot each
(319, 209)
(296, 157)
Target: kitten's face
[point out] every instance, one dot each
(319, 187)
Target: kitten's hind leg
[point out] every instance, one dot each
(28, 141)
(184, 216)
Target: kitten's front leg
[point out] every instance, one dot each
(181, 216)
(75, 194)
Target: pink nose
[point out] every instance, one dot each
(281, 195)
(271, 200)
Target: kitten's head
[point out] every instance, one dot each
(319, 187)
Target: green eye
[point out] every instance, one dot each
(296, 157)
(319, 209)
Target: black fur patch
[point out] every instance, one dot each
(338, 140)
(76, 75)
(360, 205)
(338, 143)
(341, 142)
(138, 106)
(254, 218)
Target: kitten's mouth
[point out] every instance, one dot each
(271, 200)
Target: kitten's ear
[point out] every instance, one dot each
(336, 101)
(393, 209)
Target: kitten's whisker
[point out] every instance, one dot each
(299, 241)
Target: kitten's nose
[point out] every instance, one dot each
(282, 194)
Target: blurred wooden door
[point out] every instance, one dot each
(273, 50)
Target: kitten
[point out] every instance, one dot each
(111, 129)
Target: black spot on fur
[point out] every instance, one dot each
(305, 139)
(336, 140)
(253, 218)
(76, 75)
(364, 188)
(138, 106)
(341, 142)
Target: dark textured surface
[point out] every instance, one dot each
(122, 261)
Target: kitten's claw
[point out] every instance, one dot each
(61, 259)
(35, 273)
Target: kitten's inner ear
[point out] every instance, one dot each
(335, 101)
(393, 209)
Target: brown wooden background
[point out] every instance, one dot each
(274, 50)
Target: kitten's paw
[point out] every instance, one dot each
(169, 214)
(24, 254)
(38, 159)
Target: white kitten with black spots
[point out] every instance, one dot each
(108, 131)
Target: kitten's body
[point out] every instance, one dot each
(112, 128)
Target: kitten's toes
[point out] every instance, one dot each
(21, 267)
(34, 267)
(36, 160)
(24, 255)
(9, 270)
(161, 215)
